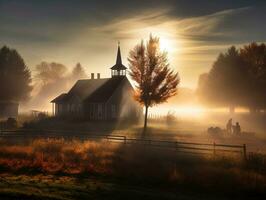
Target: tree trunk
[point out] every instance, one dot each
(145, 121)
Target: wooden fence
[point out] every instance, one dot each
(179, 146)
(185, 147)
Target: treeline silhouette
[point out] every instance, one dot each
(237, 78)
(17, 84)
(51, 79)
(15, 77)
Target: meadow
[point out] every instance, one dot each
(75, 169)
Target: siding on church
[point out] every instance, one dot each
(120, 105)
(122, 102)
(73, 109)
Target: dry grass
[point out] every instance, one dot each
(140, 164)
(57, 156)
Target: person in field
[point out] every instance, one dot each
(237, 128)
(229, 126)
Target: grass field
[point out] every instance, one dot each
(65, 187)
(73, 169)
(181, 129)
(69, 188)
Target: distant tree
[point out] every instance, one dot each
(78, 72)
(50, 79)
(254, 56)
(50, 72)
(226, 84)
(202, 90)
(15, 77)
(149, 69)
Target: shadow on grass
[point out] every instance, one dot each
(123, 171)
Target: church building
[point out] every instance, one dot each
(100, 98)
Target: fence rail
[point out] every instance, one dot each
(179, 146)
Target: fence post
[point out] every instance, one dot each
(245, 152)
(214, 148)
(125, 140)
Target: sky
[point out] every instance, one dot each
(87, 31)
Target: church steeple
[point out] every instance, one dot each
(118, 57)
(118, 69)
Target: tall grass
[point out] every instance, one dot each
(141, 164)
(56, 156)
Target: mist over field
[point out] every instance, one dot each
(132, 99)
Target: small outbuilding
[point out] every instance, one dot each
(8, 109)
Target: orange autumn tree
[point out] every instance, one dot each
(154, 80)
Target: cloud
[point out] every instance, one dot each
(190, 37)
(87, 31)
(217, 27)
(197, 27)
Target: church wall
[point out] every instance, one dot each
(68, 109)
(95, 111)
(123, 103)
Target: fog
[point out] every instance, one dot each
(185, 106)
(49, 81)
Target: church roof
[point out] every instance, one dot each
(81, 90)
(118, 65)
(94, 90)
(106, 90)
(60, 98)
(91, 90)
(84, 88)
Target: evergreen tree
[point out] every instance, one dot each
(15, 77)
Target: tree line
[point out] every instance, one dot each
(17, 84)
(237, 78)
(154, 80)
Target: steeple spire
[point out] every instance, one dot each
(118, 69)
(118, 57)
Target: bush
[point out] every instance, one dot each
(171, 118)
(10, 123)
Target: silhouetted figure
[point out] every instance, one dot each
(237, 129)
(229, 126)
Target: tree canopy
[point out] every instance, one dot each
(78, 72)
(149, 69)
(50, 72)
(237, 78)
(15, 77)
(254, 56)
(51, 79)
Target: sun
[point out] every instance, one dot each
(166, 45)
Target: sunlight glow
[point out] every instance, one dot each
(166, 45)
(191, 111)
(181, 111)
